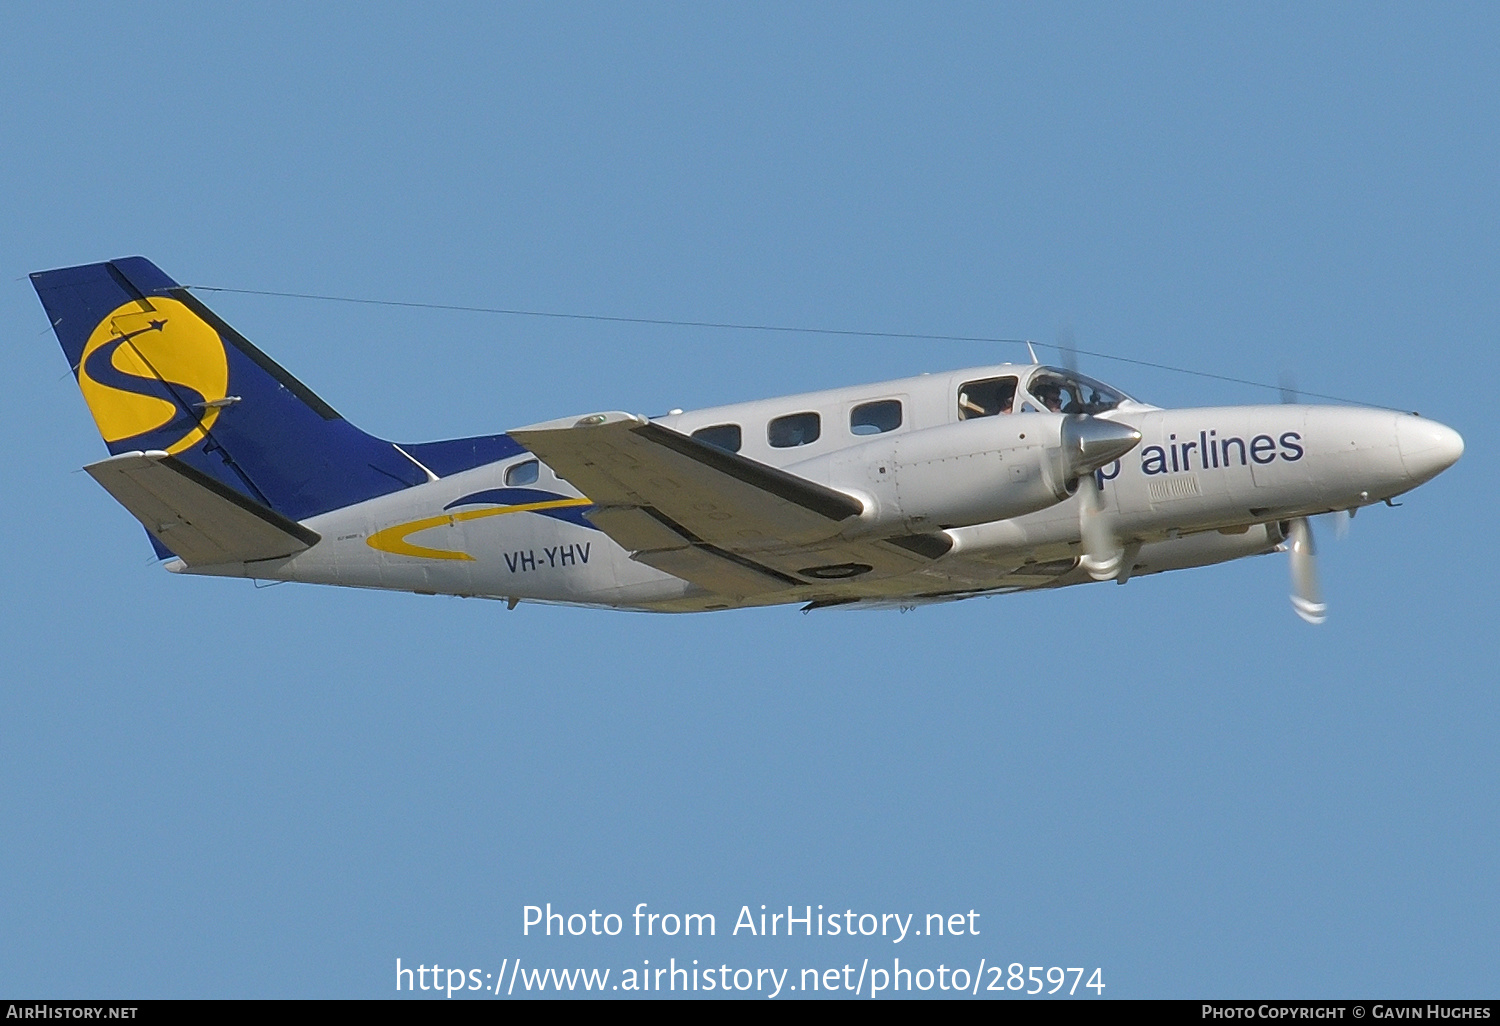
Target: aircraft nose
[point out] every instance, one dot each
(1427, 447)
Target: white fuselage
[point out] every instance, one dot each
(1204, 485)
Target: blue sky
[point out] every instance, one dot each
(214, 790)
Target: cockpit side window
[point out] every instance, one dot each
(986, 398)
(1063, 392)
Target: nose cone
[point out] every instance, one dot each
(1090, 443)
(1427, 447)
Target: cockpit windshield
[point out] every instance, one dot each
(1066, 392)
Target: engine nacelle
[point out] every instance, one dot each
(1208, 548)
(972, 472)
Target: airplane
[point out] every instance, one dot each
(928, 489)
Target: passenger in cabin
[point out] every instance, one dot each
(986, 398)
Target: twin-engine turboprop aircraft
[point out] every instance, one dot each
(927, 489)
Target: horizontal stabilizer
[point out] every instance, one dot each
(202, 521)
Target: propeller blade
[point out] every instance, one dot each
(1065, 348)
(1341, 523)
(1307, 597)
(1288, 389)
(1102, 553)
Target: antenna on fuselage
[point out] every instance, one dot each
(1032, 350)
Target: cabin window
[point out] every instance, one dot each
(875, 418)
(522, 473)
(794, 429)
(721, 436)
(986, 398)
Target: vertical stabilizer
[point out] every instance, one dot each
(162, 372)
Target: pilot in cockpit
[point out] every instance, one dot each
(1049, 395)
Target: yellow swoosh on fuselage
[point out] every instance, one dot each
(393, 539)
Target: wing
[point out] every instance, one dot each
(730, 524)
(199, 519)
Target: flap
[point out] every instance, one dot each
(718, 571)
(727, 523)
(199, 519)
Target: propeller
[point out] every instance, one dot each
(1288, 385)
(1307, 595)
(1102, 553)
(1091, 444)
(1341, 521)
(1067, 349)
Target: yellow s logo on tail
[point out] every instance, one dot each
(154, 373)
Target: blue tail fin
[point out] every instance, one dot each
(160, 371)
